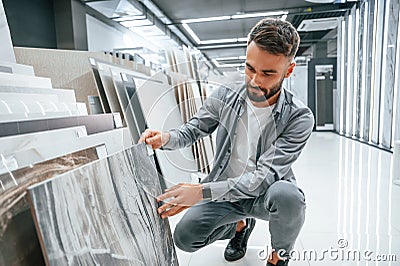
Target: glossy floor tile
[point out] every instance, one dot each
(353, 212)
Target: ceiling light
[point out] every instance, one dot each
(205, 19)
(136, 23)
(237, 16)
(127, 18)
(256, 15)
(191, 32)
(320, 1)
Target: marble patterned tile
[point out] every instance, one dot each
(18, 240)
(104, 213)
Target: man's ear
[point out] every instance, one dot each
(290, 69)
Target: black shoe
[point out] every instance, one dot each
(280, 263)
(237, 247)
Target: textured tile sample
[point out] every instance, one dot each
(67, 69)
(19, 244)
(104, 213)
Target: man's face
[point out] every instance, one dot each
(265, 73)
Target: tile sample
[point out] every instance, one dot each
(114, 141)
(94, 105)
(112, 219)
(93, 124)
(65, 96)
(99, 86)
(7, 79)
(18, 68)
(157, 98)
(109, 90)
(386, 112)
(5, 69)
(18, 239)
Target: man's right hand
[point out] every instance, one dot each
(155, 138)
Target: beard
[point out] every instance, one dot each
(266, 93)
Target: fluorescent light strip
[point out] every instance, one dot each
(129, 18)
(348, 92)
(239, 16)
(191, 32)
(342, 73)
(364, 72)
(217, 41)
(356, 74)
(261, 14)
(396, 86)
(231, 58)
(208, 19)
(384, 68)
(371, 105)
(217, 64)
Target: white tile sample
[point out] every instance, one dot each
(67, 96)
(17, 80)
(19, 68)
(162, 112)
(104, 213)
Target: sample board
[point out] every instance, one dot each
(104, 213)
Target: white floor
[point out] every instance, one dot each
(353, 209)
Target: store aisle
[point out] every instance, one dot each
(353, 216)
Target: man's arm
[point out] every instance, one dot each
(272, 165)
(202, 124)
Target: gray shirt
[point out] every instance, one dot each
(279, 145)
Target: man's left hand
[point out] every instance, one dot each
(183, 196)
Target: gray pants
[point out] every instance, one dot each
(283, 205)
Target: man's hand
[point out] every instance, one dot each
(183, 196)
(155, 138)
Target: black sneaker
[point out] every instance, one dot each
(280, 263)
(237, 247)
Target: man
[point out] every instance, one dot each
(262, 129)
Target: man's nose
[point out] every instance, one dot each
(255, 80)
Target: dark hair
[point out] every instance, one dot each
(275, 36)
